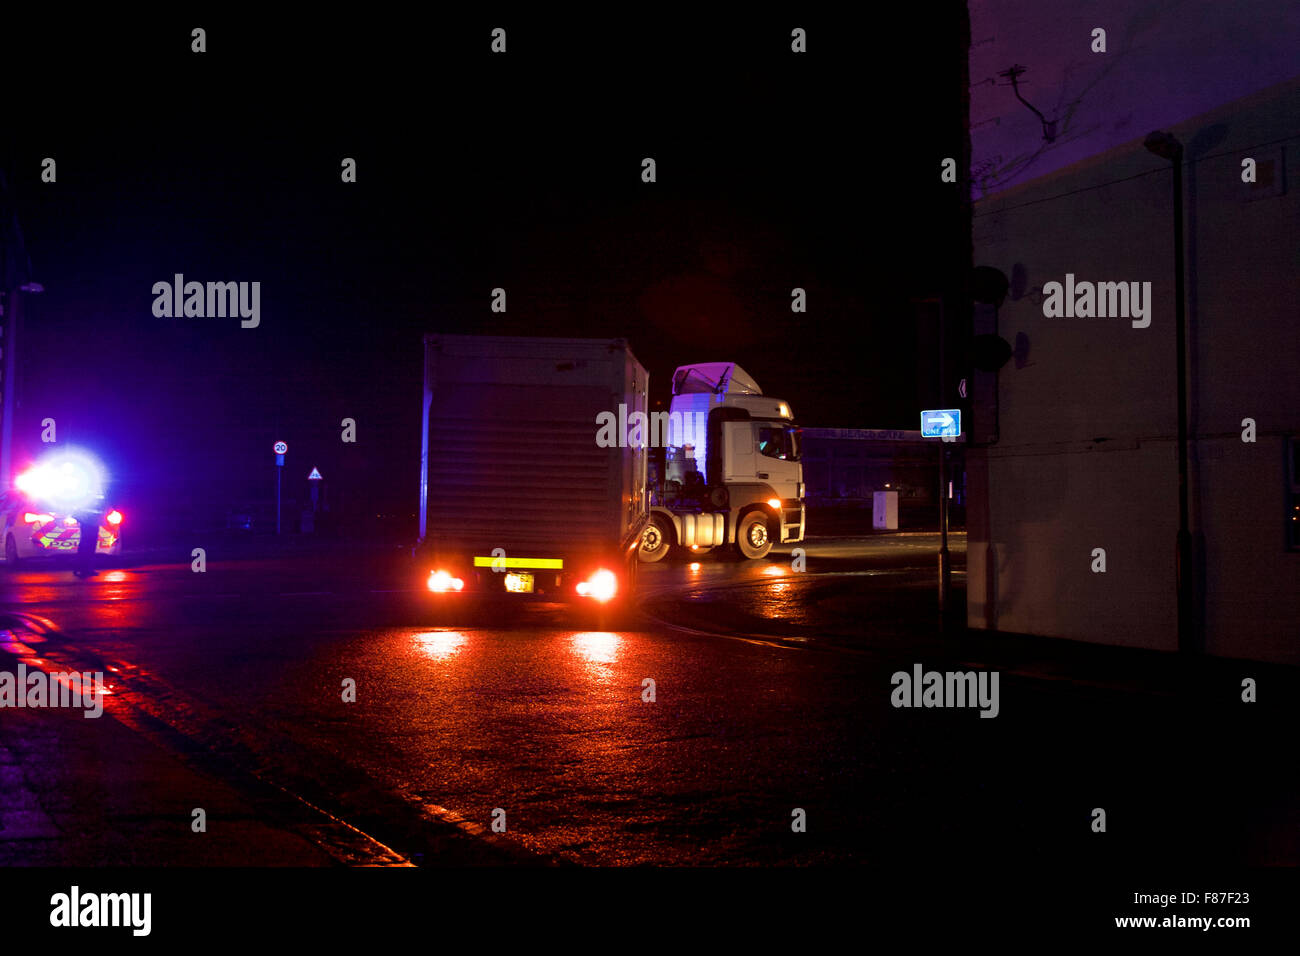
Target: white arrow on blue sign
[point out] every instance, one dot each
(941, 422)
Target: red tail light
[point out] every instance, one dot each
(602, 586)
(440, 582)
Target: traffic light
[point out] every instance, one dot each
(986, 352)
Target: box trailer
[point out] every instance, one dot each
(520, 492)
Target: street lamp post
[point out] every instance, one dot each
(15, 282)
(9, 393)
(10, 339)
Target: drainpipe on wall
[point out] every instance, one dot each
(1166, 146)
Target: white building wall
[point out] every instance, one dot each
(1086, 452)
(1165, 62)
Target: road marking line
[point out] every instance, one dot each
(731, 637)
(396, 858)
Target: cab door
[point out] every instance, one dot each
(776, 459)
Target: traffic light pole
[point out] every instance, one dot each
(945, 563)
(945, 567)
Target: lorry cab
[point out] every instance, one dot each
(733, 474)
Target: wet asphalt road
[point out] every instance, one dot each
(531, 712)
(772, 695)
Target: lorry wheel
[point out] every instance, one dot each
(751, 537)
(654, 542)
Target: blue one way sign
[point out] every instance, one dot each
(941, 422)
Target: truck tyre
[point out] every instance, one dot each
(751, 537)
(655, 542)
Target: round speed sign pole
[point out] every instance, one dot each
(281, 449)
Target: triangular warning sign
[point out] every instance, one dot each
(315, 475)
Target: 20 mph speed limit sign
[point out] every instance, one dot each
(281, 448)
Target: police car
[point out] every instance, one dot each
(37, 516)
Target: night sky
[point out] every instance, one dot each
(474, 171)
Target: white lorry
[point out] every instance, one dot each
(731, 472)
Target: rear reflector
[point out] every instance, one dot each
(552, 564)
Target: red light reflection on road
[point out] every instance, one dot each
(440, 645)
(597, 647)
